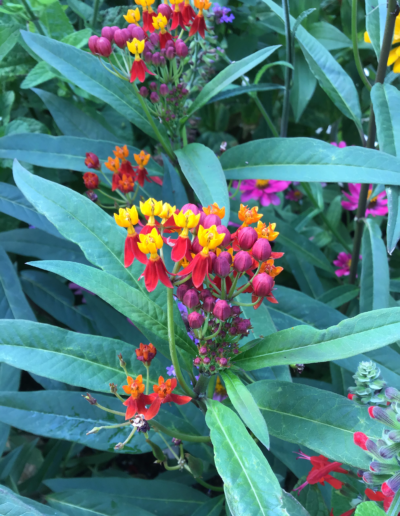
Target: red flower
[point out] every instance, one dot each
(128, 218)
(163, 394)
(137, 401)
(375, 496)
(320, 472)
(139, 70)
(92, 161)
(155, 269)
(188, 13)
(125, 183)
(360, 440)
(164, 37)
(199, 25)
(146, 353)
(177, 18)
(91, 180)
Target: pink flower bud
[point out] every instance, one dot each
(195, 320)
(196, 247)
(221, 267)
(108, 33)
(243, 325)
(164, 90)
(236, 309)
(120, 38)
(262, 284)
(165, 10)
(203, 350)
(261, 250)
(181, 291)
(226, 255)
(155, 39)
(114, 28)
(191, 298)
(247, 238)
(148, 46)
(206, 360)
(208, 304)
(156, 59)
(232, 330)
(204, 294)
(211, 220)
(136, 32)
(227, 238)
(223, 362)
(197, 361)
(181, 49)
(147, 57)
(202, 218)
(213, 256)
(170, 53)
(103, 47)
(189, 206)
(242, 261)
(154, 97)
(222, 310)
(360, 439)
(92, 44)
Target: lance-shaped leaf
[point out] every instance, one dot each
(293, 507)
(12, 504)
(86, 361)
(9, 381)
(246, 407)
(321, 420)
(309, 160)
(375, 20)
(205, 175)
(250, 485)
(127, 300)
(306, 345)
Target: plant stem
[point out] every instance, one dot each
(265, 115)
(148, 379)
(34, 19)
(288, 72)
(172, 346)
(201, 385)
(179, 435)
(209, 486)
(95, 13)
(380, 77)
(211, 386)
(247, 304)
(354, 37)
(109, 410)
(395, 505)
(159, 136)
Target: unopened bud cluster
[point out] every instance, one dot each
(369, 385)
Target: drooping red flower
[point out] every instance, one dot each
(188, 13)
(163, 394)
(320, 472)
(137, 401)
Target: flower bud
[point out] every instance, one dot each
(181, 49)
(204, 294)
(222, 310)
(236, 309)
(262, 250)
(92, 161)
(223, 362)
(103, 46)
(148, 46)
(192, 207)
(226, 255)
(197, 361)
(195, 320)
(221, 267)
(164, 90)
(386, 490)
(181, 291)
(176, 441)
(90, 399)
(120, 38)
(360, 439)
(127, 34)
(232, 330)
(203, 350)
(202, 218)
(165, 10)
(108, 33)
(196, 247)
(208, 304)
(91, 180)
(391, 393)
(156, 59)
(212, 220)
(170, 53)
(144, 92)
(147, 56)
(113, 388)
(247, 238)
(155, 39)
(385, 416)
(154, 97)
(191, 298)
(92, 196)
(136, 32)
(242, 261)
(114, 28)
(92, 44)
(213, 256)
(262, 285)
(243, 325)
(350, 396)
(162, 60)
(185, 91)
(227, 238)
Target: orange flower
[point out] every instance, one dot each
(163, 394)
(214, 209)
(112, 164)
(142, 158)
(249, 216)
(137, 401)
(146, 353)
(126, 183)
(270, 268)
(264, 231)
(121, 152)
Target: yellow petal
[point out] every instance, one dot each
(396, 67)
(392, 56)
(366, 37)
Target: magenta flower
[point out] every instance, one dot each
(343, 261)
(340, 144)
(263, 190)
(294, 195)
(376, 206)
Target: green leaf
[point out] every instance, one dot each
(211, 508)
(82, 360)
(375, 17)
(338, 296)
(83, 10)
(72, 121)
(246, 407)
(306, 345)
(305, 275)
(39, 74)
(293, 507)
(203, 171)
(173, 190)
(321, 420)
(329, 36)
(128, 301)
(56, 22)
(39, 244)
(228, 76)
(9, 381)
(304, 84)
(6, 102)
(167, 497)
(13, 303)
(85, 70)
(8, 38)
(311, 499)
(13, 203)
(12, 504)
(393, 224)
(250, 485)
(234, 90)
(62, 152)
(308, 160)
(369, 509)
(374, 291)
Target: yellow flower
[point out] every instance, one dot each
(249, 216)
(202, 4)
(214, 209)
(167, 212)
(159, 22)
(210, 238)
(264, 231)
(127, 218)
(142, 158)
(366, 37)
(151, 242)
(187, 220)
(394, 54)
(174, 2)
(132, 16)
(135, 47)
(151, 207)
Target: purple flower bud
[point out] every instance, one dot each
(163, 87)
(92, 196)
(197, 361)
(211, 220)
(261, 250)
(227, 238)
(148, 57)
(92, 44)
(136, 32)
(191, 298)
(208, 304)
(394, 483)
(242, 326)
(148, 46)
(127, 34)
(181, 49)
(181, 291)
(222, 310)
(223, 362)
(191, 207)
(232, 330)
(120, 38)
(165, 10)
(144, 92)
(212, 368)
(155, 39)
(176, 441)
(392, 394)
(221, 267)
(242, 261)
(185, 91)
(195, 320)
(202, 214)
(213, 256)
(235, 309)
(108, 33)
(204, 294)
(206, 360)
(170, 53)
(103, 47)
(169, 43)
(247, 238)
(262, 284)
(162, 60)
(154, 97)
(114, 28)
(203, 350)
(153, 86)
(156, 59)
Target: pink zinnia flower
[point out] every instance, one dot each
(263, 190)
(294, 195)
(341, 145)
(376, 206)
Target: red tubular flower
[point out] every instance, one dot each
(137, 401)
(146, 353)
(199, 24)
(375, 496)
(163, 394)
(91, 180)
(188, 13)
(139, 68)
(128, 218)
(320, 472)
(177, 18)
(155, 269)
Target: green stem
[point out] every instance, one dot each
(184, 136)
(95, 13)
(170, 468)
(109, 410)
(223, 288)
(214, 334)
(354, 37)
(159, 136)
(237, 189)
(179, 435)
(98, 428)
(247, 304)
(172, 346)
(234, 283)
(211, 386)
(201, 385)
(32, 16)
(109, 196)
(288, 73)
(395, 505)
(209, 486)
(380, 77)
(147, 379)
(265, 115)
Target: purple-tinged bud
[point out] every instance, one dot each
(385, 416)
(208, 304)
(212, 368)
(226, 255)
(387, 452)
(144, 92)
(262, 250)
(120, 38)
(385, 469)
(169, 43)
(156, 59)
(90, 399)
(181, 291)
(197, 361)
(232, 330)
(262, 285)
(185, 91)
(155, 39)
(212, 220)
(136, 32)
(153, 86)
(154, 97)
(170, 53)
(191, 207)
(223, 362)
(104, 47)
(222, 310)
(92, 43)
(195, 320)
(92, 196)
(164, 90)
(394, 436)
(165, 10)
(127, 34)
(162, 60)
(213, 256)
(202, 216)
(148, 46)
(221, 267)
(191, 298)
(114, 28)
(236, 309)
(243, 326)
(203, 350)
(247, 238)
(242, 261)
(206, 360)
(394, 483)
(181, 49)
(227, 238)
(108, 33)
(204, 294)
(113, 388)
(148, 57)
(392, 394)
(176, 442)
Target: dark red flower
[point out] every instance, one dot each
(91, 180)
